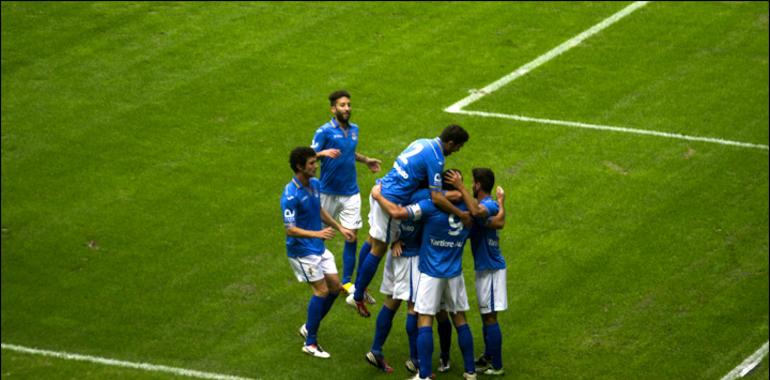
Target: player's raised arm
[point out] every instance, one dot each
(497, 222)
(456, 179)
(445, 205)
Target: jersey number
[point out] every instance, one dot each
(410, 151)
(455, 225)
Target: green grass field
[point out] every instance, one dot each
(145, 147)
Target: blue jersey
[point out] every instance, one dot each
(485, 243)
(443, 239)
(411, 229)
(338, 175)
(421, 162)
(301, 208)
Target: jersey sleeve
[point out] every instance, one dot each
(435, 168)
(416, 210)
(289, 208)
(319, 140)
(492, 207)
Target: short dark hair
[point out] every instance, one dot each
(299, 157)
(446, 185)
(485, 177)
(336, 95)
(454, 133)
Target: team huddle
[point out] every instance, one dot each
(419, 221)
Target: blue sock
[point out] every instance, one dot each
(495, 345)
(362, 253)
(384, 323)
(484, 330)
(314, 311)
(328, 304)
(365, 275)
(425, 350)
(445, 338)
(411, 332)
(465, 339)
(348, 260)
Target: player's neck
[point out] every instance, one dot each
(481, 195)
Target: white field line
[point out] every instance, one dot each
(475, 95)
(744, 368)
(613, 129)
(569, 44)
(121, 363)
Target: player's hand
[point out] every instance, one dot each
(326, 233)
(466, 218)
(349, 235)
(331, 153)
(500, 194)
(397, 249)
(373, 164)
(376, 192)
(455, 178)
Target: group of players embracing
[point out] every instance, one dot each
(420, 218)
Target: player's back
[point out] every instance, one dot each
(422, 161)
(443, 239)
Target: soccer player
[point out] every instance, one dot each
(489, 264)
(400, 275)
(399, 282)
(335, 142)
(421, 162)
(441, 281)
(310, 260)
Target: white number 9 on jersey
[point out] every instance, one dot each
(455, 225)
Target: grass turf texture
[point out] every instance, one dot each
(160, 133)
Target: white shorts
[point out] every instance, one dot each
(434, 294)
(312, 268)
(491, 291)
(381, 226)
(400, 277)
(346, 208)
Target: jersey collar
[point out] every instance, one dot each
(296, 182)
(337, 124)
